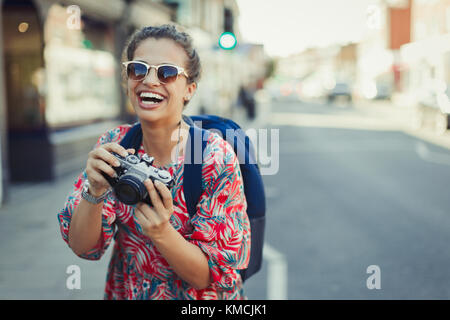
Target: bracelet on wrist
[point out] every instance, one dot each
(91, 198)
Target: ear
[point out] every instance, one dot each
(190, 91)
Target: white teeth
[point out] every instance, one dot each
(151, 95)
(149, 102)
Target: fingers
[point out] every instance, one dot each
(152, 223)
(115, 147)
(148, 217)
(160, 195)
(101, 160)
(154, 196)
(141, 217)
(162, 205)
(165, 194)
(97, 165)
(104, 153)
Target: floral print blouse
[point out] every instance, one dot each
(220, 228)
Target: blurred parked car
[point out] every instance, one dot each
(384, 91)
(341, 89)
(377, 91)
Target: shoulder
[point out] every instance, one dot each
(219, 159)
(114, 135)
(218, 151)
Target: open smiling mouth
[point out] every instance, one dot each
(150, 98)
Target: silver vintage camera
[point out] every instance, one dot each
(129, 185)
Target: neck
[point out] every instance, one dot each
(161, 142)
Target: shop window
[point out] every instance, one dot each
(23, 67)
(81, 70)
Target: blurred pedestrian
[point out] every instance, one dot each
(159, 251)
(251, 104)
(246, 98)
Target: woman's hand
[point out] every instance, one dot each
(155, 220)
(101, 160)
(187, 260)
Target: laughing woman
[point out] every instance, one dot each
(160, 252)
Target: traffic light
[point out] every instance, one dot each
(228, 20)
(227, 41)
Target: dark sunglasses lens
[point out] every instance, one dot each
(136, 71)
(167, 73)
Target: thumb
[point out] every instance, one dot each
(131, 150)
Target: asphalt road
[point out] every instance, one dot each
(346, 198)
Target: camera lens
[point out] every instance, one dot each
(127, 194)
(130, 190)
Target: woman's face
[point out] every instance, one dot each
(155, 52)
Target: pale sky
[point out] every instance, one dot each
(289, 26)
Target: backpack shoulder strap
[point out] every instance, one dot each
(133, 138)
(193, 163)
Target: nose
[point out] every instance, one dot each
(152, 77)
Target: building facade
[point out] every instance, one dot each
(428, 55)
(61, 81)
(380, 70)
(427, 65)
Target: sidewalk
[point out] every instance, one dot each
(401, 116)
(34, 256)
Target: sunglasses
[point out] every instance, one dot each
(138, 71)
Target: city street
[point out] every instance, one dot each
(352, 191)
(347, 104)
(346, 199)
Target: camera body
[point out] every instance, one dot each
(131, 173)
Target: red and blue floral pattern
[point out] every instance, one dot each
(220, 228)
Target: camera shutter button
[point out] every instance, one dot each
(164, 174)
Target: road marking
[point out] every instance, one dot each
(425, 154)
(277, 273)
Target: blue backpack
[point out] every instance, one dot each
(192, 177)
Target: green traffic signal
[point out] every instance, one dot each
(227, 41)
